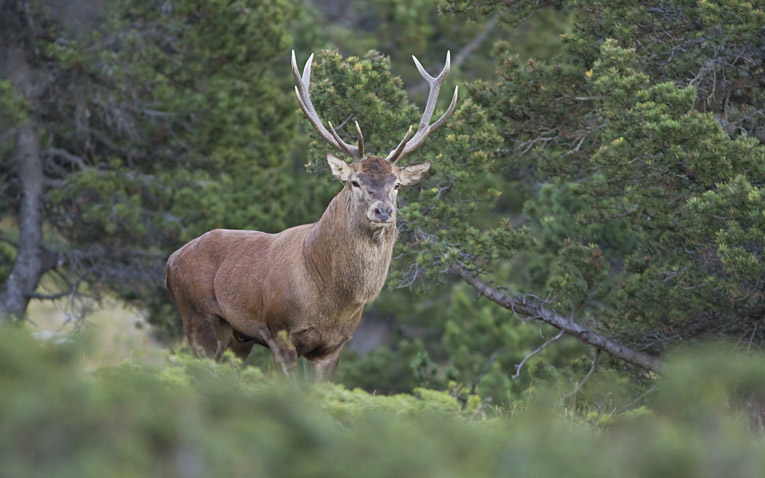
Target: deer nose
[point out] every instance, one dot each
(383, 212)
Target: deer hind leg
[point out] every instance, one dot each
(229, 339)
(241, 345)
(208, 335)
(199, 325)
(202, 335)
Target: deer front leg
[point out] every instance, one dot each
(322, 369)
(285, 354)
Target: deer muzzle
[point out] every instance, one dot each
(380, 213)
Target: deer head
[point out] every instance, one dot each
(373, 182)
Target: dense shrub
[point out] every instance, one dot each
(180, 416)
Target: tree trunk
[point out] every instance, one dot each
(27, 165)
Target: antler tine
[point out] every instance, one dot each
(361, 139)
(425, 127)
(344, 147)
(395, 155)
(304, 99)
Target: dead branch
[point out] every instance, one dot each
(581, 332)
(586, 377)
(534, 352)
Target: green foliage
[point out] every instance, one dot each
(401, 28)
(13, 108)
(450, 344)
(657, 159)
(485, 345)
(182, 415)
(212, 151)
(7, 255)
(14, 111)
(648, 215)
(441, 221)
(384, 369)
(737, 234)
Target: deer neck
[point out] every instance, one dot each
(349, 260)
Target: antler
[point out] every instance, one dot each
(331, 136)
(407, 146)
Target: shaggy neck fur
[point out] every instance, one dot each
(349, 259)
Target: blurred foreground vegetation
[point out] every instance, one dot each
(176, 416)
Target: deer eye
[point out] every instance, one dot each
(355, 184)
(397, 185)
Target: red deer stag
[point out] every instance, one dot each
(301, 292)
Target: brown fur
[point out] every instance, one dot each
(299, 292)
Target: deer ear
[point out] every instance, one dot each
(340, 169)
(412, 174)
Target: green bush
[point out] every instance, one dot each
(187, 417)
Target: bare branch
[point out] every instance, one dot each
(586, 377)
(636, 400)
(55, 296)
(581, 332)
(73, 159)
(536, 351)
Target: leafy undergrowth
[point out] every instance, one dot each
(186, 417)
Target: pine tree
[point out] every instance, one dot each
(643, 138)
(157, 122)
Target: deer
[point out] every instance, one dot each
(301, 292)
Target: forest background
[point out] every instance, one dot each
(599, 189)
